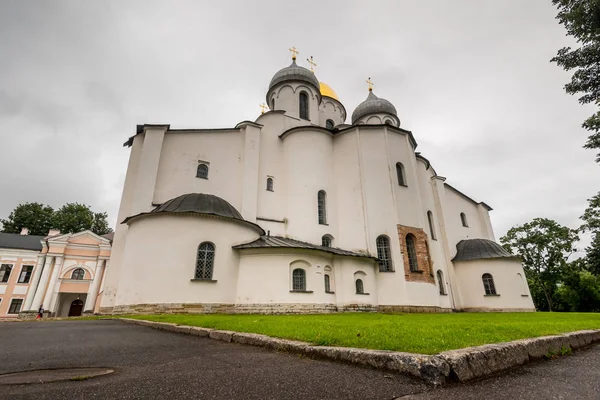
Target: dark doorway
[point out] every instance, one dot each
(76, 308)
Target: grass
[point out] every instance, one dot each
(413, 333)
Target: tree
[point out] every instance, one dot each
(544, 246)
(75, 217)
(591, 223)
(36, 217)
(592, 256)
(39, 219)
(581, 18)
(580, 289)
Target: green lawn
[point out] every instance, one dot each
(413, 333)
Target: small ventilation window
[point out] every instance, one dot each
(270, 184)
(463, 219)
(326, 241)
(329, 124)
(202, 171)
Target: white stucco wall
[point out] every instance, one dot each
(513, 293)
(160, 260)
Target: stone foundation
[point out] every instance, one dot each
(278, 308)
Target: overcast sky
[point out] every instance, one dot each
(471, 79)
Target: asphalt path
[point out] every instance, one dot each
(152, 364)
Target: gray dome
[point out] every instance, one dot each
(199, 203)
(373, 105)
(295, 73)
(477, 249)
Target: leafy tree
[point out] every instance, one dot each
(36, 217)
(591, 215)
(544, 246)
(581, 18)
(592, 256)
(580, 289)
(39, 219)
(75, 217)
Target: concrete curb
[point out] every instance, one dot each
(455, 365)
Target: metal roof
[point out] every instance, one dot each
(281, 242)
(17, 241)
(478, 249)
(294, 72)
(373, 105)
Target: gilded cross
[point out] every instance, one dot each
(370, 83)
(294, 52)
(312, 64)
(263, 108)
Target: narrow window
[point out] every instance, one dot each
(202, 171)
(431, 228)
(360, 288)
(272, 104)
(412, 253)
(303, 105)
(463, 219)
(326, 241)
(78, 274)
(321, 205)
(299, 280)
(523, 283)
(442, 285)
(15, 306)
(25, 275)
(384, 254)
(329, 124)
(5, 272)
(488, 284)
(270, 184)
(327, 284)
(205, 261)
(400, 174)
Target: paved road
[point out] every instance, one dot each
(153, 364)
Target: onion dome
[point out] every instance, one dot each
(373, 105)
(478, 249)
(294, 73)
(326, 90)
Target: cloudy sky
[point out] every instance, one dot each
(471, 79)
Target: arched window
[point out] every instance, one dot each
(412, 253)
(270, 184)
(202, 171)
(463, 219)
(329, 124)
(299, 279)
(272, 104)
(400, 174)
(488, 284)
(523, 284)
(384, 254)
(389, 122)
(326, 240)
(441, 284)
(360, 288)
(321, 205)
(303, 105)
(205, 261)
(431, 228)
(327, 284)
(78, 274)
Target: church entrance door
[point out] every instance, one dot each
(76, 308)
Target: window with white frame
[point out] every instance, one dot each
(15, 306)
(488, 284)
(384, 254)
(5, 270)
(25, 275)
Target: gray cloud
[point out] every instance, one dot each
(471, 79)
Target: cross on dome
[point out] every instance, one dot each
(312, 64)
(294, 53)
(263, 108)
(371, 84)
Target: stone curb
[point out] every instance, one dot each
(455, 365)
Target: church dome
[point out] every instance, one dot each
(198, 203)
(373, 105)
(477, 249)
(294, 72)
(326, 90)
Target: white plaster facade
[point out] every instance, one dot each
(153, 257)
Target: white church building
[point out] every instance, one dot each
(300, 211)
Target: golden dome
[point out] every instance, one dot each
(326, 90)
